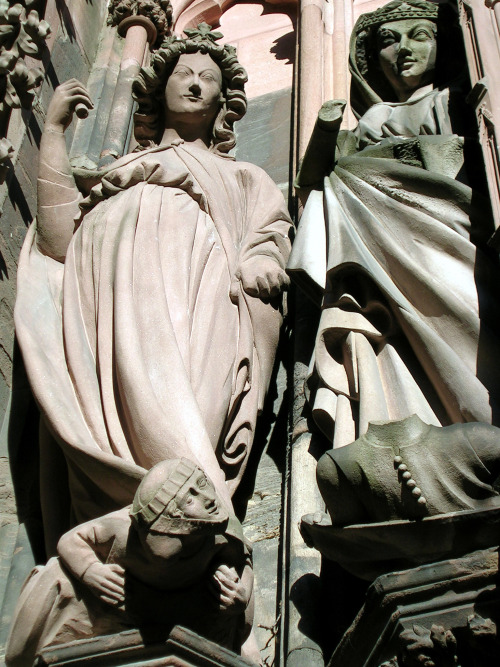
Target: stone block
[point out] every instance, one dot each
(183, 648)
(81, 22)
(448, 594)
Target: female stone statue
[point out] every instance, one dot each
(409, 321)
(148, 312)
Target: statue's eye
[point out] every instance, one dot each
(202, 481)
(422, 35)
(190, 500)
(386, 39)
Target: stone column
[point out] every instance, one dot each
(494, 4)
(139, 32)
(480, 22)
(310, 68)
(303, 565)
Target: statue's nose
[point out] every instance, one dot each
(404, 45)
(208, 497)
(194, 85)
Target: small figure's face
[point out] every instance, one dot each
(407, 54)
(196, 503)
(197, 499)
(194, 89)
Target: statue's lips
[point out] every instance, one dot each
(213, 510)
(192, 98)
(406, 64)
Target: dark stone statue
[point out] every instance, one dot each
(407, 493)
(411, 470)
(393, 243)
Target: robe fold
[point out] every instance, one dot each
(143, 345)
(394, 250)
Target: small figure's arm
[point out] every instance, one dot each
(232, 581)
(58, 195)
(82, 551)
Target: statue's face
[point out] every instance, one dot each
(199, 510)
(407, 54)
(194, 89)
(198, 501)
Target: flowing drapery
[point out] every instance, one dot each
(143, 346)
(409, 321)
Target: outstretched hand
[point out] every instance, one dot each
(107, 582)
(63, 103)
(262, 277)
(229, 590)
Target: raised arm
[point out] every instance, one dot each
(58, 195)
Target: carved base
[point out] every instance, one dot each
(444, 612)
(183, 648)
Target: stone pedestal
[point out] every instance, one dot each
(183, 648)
(446, 611)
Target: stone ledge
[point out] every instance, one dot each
(183, 648)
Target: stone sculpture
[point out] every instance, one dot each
(173, 556)
(394, 246)
(23, 36)
(408, 493)
(148, 313)
(410, 470)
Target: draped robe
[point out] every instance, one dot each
(394, 250)
(143, 345)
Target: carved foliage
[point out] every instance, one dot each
(476, 645)
(158, 11)
(22, 33)
(434, 648)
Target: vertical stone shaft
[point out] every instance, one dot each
(310, 69)
(304, 564)
(138, 31)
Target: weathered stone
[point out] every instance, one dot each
(150, 566)
(229, 347)
(182, 649)
(445, 594)
(402, 300)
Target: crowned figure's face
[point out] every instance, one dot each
(193, 93)
(407, 54)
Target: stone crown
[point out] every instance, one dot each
(398, 11)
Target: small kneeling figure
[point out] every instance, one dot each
(173, 557)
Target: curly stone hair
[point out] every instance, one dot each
(149, 88)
